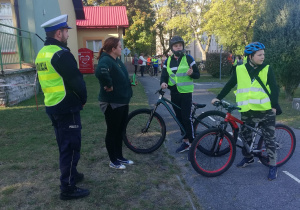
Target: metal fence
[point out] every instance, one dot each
(15, 46)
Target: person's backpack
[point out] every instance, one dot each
(132, 61)
(140, 61)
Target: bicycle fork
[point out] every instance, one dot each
(215, 149)
(145, 129)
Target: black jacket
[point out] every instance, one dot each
(112, 72)
(252, 73)
(175, 63)
(65, 64)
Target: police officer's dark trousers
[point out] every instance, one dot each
(68, 135)
(184, 115)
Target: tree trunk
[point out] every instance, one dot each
(201, 50)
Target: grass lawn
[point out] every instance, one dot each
(29, 170)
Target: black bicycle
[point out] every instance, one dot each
(146, 130)
(213, 151)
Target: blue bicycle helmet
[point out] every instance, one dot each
(253, 47)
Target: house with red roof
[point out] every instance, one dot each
(100, 23)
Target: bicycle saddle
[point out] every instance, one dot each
(199, 105)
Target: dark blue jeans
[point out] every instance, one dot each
(68, 136)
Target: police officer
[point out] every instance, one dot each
(178, 73)
(256, 106)
(65, 95)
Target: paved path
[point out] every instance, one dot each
(246, 188)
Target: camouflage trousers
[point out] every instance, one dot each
(266, 120)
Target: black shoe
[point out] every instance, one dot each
(74, 194)
(79, 177)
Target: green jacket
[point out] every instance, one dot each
(112, 72)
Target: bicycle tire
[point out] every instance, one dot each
(144, 142)
(285, 145)
(211, 119)
(213, 164)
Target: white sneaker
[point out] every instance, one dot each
(125, 161)
(117, 165)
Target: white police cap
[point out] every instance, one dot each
(56, 23)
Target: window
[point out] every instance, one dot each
(7, 38)
(94, 45)
(187, 52)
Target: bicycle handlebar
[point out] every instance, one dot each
(226, 105)
(160, 91)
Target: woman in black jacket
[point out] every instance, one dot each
(114, 97)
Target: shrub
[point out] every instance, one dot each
(278, 28)
(212, 64)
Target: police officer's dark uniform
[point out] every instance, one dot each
(65, 94)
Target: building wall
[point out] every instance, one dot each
(67, 7)
(19, 86)
(84, 35)
(38, 12)
(33, 13)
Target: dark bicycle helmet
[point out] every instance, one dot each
(253, 47)
(174, 40)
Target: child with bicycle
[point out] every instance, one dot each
(256, 105)
(178, 73)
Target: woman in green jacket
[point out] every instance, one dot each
(114, 97)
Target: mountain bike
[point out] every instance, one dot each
(146, 130)
(213, 150)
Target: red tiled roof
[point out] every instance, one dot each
(104, 17)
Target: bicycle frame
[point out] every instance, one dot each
(162, 100)
(233, 120)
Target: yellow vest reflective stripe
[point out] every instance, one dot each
(183, 81)
(51, 82)
(251, 96)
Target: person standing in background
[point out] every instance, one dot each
(135, 63)
(143, 65)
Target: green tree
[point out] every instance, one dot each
(183, 18)
(92, 2)
(140, 36)
(232, 22)
(170, 20)
(278, 28)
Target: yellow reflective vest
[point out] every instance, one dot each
(235, 62)
(183, 82)
(250, 95)
(51, 82)
(245, 60)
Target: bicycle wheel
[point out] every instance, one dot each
(285, 145)
(208, 119)
(151, 71)
(142, 135)
(211, 119)
(212, 164)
